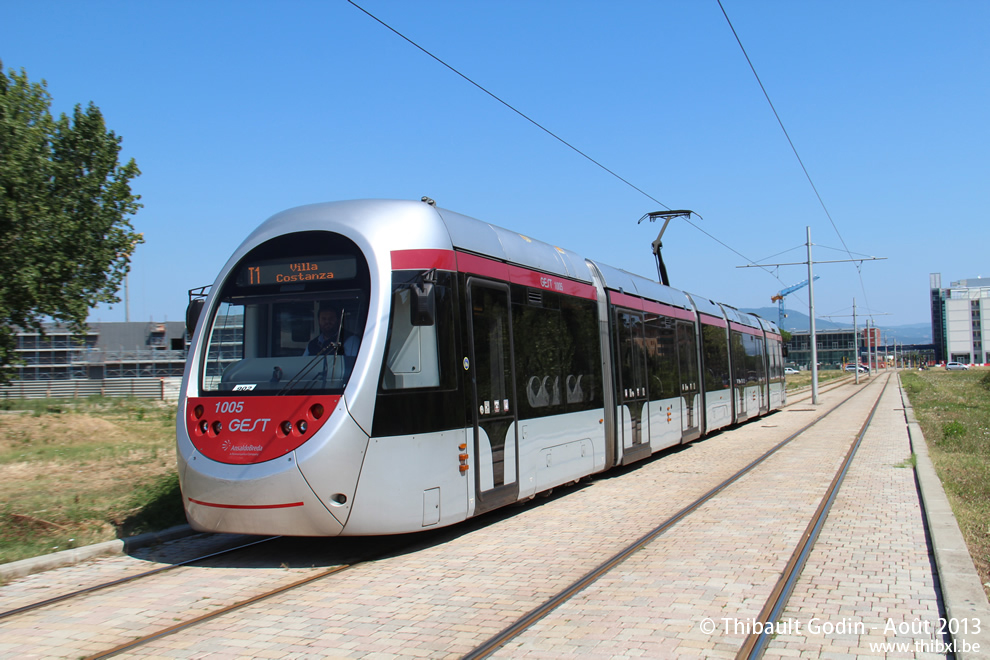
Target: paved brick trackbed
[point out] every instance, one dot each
(695, 591)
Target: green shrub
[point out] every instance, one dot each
(953, 430)
(911, 383)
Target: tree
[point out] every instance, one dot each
(65, 202)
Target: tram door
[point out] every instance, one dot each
(490, 369)
(687, 357)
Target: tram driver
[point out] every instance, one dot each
(333, 338)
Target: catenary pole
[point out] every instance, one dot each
(856, 341)
(811, 305)
(811, 328)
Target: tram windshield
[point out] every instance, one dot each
(289, 319)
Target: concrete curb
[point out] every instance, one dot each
(17, 569)
(966, 603)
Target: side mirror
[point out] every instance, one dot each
(193, 311)
(423, 307)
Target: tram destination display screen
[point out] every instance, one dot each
(298, 270)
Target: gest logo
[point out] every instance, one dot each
(248, 425)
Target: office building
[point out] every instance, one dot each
(105, 351)
(835, 348)
(960, 319)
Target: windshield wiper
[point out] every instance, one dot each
(337, 346)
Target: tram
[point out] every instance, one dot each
(385, 366)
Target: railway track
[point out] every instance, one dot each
(804, 394)
(755, 644)
(158, 634)
(76, 593)
(210, 599)
(447, 562)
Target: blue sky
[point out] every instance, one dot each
(237, 110)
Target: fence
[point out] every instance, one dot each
(165, 389)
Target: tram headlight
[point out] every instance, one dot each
(286, 427)
(301, 426)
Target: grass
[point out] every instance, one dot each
(953, 408)
(803, 379)
(909, 462)
(76, 472)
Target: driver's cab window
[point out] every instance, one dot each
(293, 325)
(266, 345)
(311, 328)
(289, 317)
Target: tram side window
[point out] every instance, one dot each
(661, 357)
(541, 350)
(687, 357)
(776, 360)
(737, 352)
(770, 359)
(556, 349)
(631, 359)
(756, 369)
(418, 356)
(716, 358)
(580, 321)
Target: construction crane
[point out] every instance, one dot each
(779, 299)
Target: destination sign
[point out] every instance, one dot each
(299, 270)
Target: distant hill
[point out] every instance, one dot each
(796, 320)
(914, 333)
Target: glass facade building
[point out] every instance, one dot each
(836, 348)
(105, 350)
(961, 319)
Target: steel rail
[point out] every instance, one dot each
(756, 643)
(827, 386)
(130, 578)
(141, 641)
(524, 622)
(145, 639)
(530, 618)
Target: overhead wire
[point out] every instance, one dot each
(766, 268)
(821, 201)
(506, 104)
(550, 133)
(790, 249)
